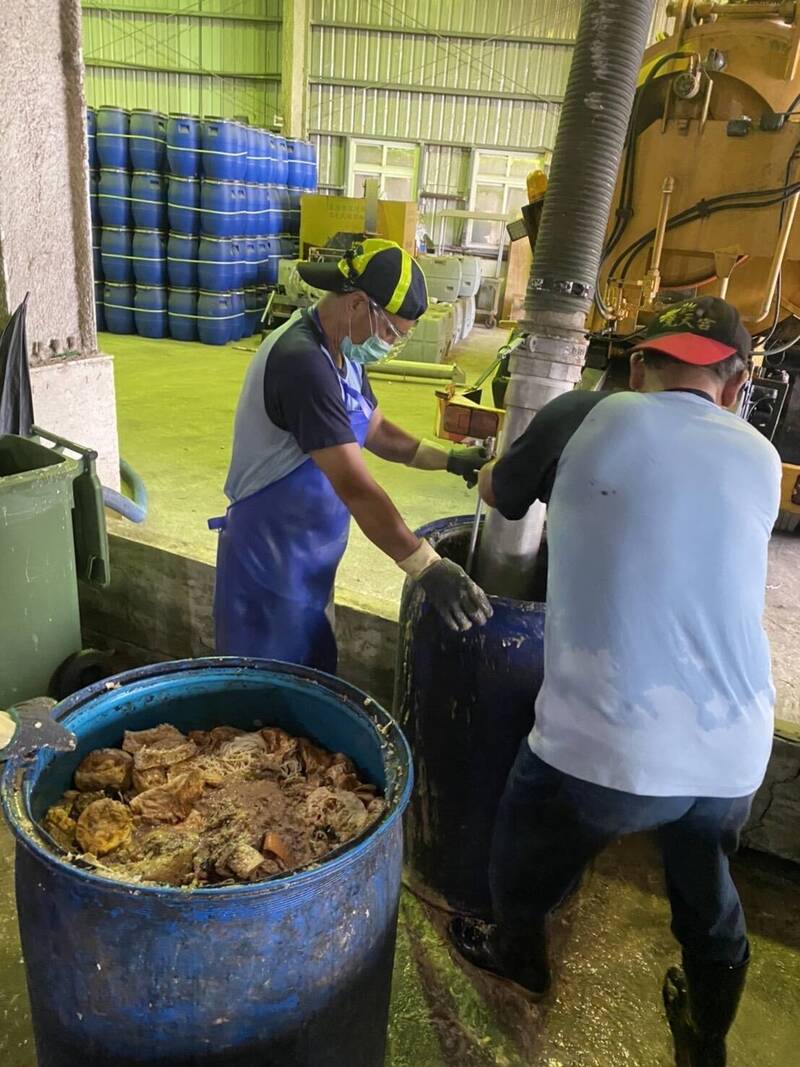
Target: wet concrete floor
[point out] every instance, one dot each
(613, 946)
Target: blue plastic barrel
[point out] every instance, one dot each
(116, 255)
(148, 200)
(268, 253)
(97, 236)
(182, 314)
(252, 310)
(151, 311)
(183, 145)
(272, 158)
(253, 169)
(112, 137)
(295, 178)
(97, 263)
(215, 317)
(273, 219)
(240, 161)
(217, 264)
(114, 197)
(311, 167)
(290, 248)
(262, 294)
(149, 257)
(239, 327)
(295, 970)
(493, 675)
(292, 216)
(147, 141)
(183, 204)
(91, 137)
(182, 254)
(119, 310)
(263, 169)
(224, 154)
(281, 167)
(99, 311)
(249, 248)
(257, 199)
(223, 206)
(282, 208)
(94, 205)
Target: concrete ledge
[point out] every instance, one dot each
(159, 606)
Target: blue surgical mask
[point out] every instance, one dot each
(373, 350)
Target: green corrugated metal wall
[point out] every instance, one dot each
(210, 57)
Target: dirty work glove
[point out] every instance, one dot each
(466, 462)
(455, 596)
(452, 592)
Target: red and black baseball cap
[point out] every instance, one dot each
(701, 331)
(381, 269)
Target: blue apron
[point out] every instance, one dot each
(278, 552)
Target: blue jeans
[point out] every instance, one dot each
(550, 825)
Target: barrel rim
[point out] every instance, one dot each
(438, 529)
(14, 797)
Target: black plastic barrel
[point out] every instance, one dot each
(294, 970)
(464, 701)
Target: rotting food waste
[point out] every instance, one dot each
(211, 807)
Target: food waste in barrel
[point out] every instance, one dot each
(210, 808)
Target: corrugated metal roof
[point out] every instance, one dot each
(190, 50)
(263, 8)
(396, 114)
(547, 18)
(497, 67)
(181, 42)
(193, 94)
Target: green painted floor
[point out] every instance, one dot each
(613, 946)
(175, 407)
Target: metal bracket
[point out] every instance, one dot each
(562, 287)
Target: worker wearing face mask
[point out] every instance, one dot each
(297, 473)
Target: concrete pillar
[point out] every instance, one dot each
(45, 227)
(294, 67)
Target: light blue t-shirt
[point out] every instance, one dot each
(657, 668)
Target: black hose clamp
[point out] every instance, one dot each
(562, 287)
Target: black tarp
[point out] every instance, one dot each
(16, 402)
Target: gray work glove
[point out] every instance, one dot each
(455, 596)
(466, 462)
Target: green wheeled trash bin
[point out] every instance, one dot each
(52, 532)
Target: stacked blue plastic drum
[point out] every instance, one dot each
(190, 217)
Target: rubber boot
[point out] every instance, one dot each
(701, 1001)
(517, 959)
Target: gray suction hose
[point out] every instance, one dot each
(134, 509)
(612, 36)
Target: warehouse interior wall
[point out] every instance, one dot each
(207, 57)
(440, 79)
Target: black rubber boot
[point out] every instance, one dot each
(701, 1001)
(519, 961)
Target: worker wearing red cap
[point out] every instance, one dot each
(656, 710)
(297, 473)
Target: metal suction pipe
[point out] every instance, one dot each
(612, 36)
